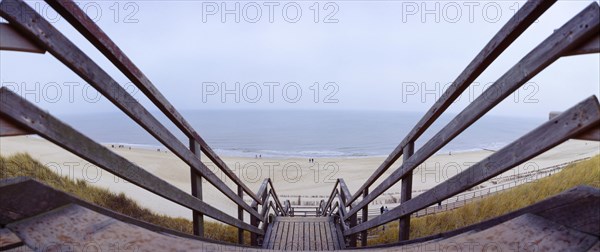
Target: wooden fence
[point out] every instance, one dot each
(578, 36)
(28, 31)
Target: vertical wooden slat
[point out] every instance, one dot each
(353, 223)
(240, 192)
(254, 222)
(196, 181)
(365, 216)
(406, 194)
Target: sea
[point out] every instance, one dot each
(304, 133)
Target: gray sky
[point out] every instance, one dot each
(373, 55)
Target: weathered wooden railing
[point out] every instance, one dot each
(267, 193)
(28, 31)
(580, 35)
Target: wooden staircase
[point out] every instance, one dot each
(304, 233)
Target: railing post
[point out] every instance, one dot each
(240, 192)
(406, 194)
(254, 222)
(365, 216)
(353, 222)
(196, 180)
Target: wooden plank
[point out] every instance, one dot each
(297, 242)
(590, 135)
(317, 232)
(8, 239)
(278, 235)
(545, 234)
(313, 236)
(334, 238)
(591, 46)
(574, 198)
(518, 23)
(579, 28)
(330, 241)
(284, 235)
(269, 242)
(339, 237)
(267, 237)
(7, 128)
(76, 228)
(12, 40)
(322, 238)
(28, 115)
(299, 238)
(289, 244)
(31, 24)
(306, 236)
(303, 219)
(577, 119)
(93, 33)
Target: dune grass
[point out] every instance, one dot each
(582, 173)
(25, 165)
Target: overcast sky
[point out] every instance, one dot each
(372, 55)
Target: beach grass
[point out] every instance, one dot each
(586, 172)
(24, 165)
(582, 173)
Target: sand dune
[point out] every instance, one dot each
(291, 176)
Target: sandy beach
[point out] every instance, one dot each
(292, 177)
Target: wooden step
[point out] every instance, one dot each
(303, 233)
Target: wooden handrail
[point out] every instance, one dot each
(261, 192)
(275, 197)
(93, 33)
(29, 22)
(574, 33)
(331, 195)
(27, 115)
(526, 16)
(578, 119)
